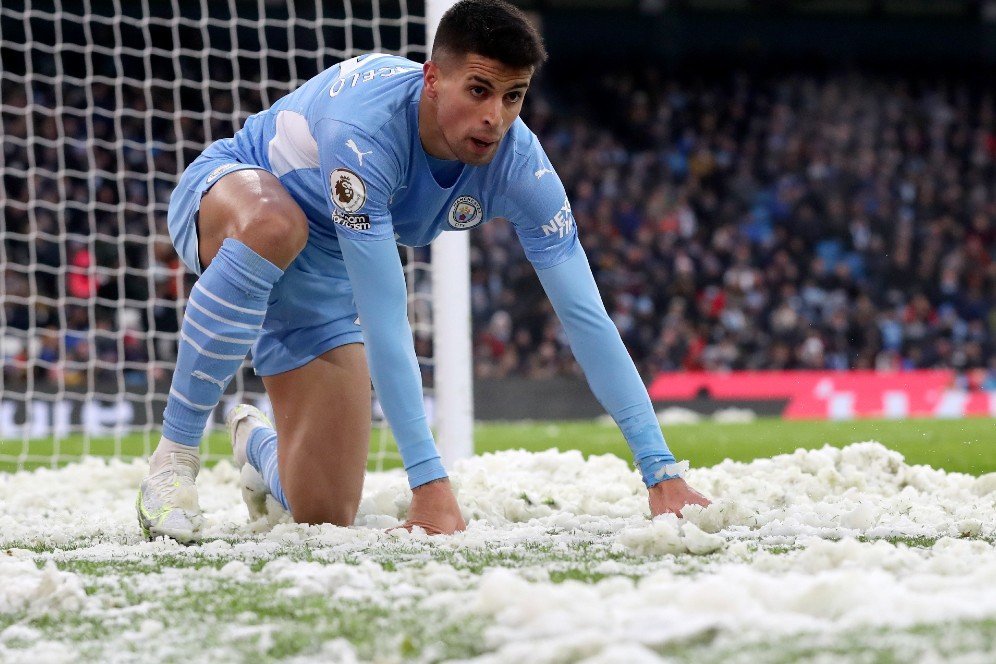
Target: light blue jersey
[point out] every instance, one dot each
(346, 146)
(346, 143)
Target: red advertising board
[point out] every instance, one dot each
(835, 394)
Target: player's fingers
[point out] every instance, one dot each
(675, 507)
(447, 526)
(698, 499)
(407, 525)
(429, 528)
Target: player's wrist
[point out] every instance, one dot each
(425, 472)
(660, 468)
(432, 485)
(420, 458)
(644, 436)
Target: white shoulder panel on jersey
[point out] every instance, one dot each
(292, 146)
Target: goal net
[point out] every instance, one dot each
(103, 103)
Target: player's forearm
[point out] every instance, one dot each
(381, 300)
(607, 365)
(396, 378)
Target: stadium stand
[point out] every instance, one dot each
(749, 222)
(766, 223)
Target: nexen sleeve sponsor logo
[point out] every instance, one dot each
(561, 223)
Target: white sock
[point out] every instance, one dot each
(161, 457)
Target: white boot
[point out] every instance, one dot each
(167, 499)
(241, 422)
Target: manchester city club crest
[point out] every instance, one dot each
(466, 212)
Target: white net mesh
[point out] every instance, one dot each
(103, 103)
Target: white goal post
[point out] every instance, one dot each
(102, 105)
(452, 328)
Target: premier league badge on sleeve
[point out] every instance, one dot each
(347, 190)
(349, 194)
(466, 212)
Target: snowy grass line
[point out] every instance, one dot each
(825, 553)
(960, 445)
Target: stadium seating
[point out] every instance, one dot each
(751, 223)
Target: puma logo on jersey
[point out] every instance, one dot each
(351, 144)
(541, 172)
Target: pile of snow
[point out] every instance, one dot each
(26, 589)
(827, 587)
(796, 543)
(862, 489)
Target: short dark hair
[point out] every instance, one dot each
(492, 28)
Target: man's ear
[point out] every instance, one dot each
(430, 74)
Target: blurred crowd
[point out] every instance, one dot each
(743, 222)
(92, 288)
(785, 222)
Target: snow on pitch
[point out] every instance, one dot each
(796, 543)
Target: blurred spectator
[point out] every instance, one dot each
(751, 222)
(771, 223)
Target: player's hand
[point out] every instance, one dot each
(669, 496)
(434, 509)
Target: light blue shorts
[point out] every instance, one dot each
(310, 310)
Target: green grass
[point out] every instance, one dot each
(965, 445)
(274, 625)
(274, 622)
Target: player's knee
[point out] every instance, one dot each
(324, 507)
(335, 514)
(276, 230)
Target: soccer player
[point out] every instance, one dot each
(293, 224)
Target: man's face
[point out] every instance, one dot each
(476, 100)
